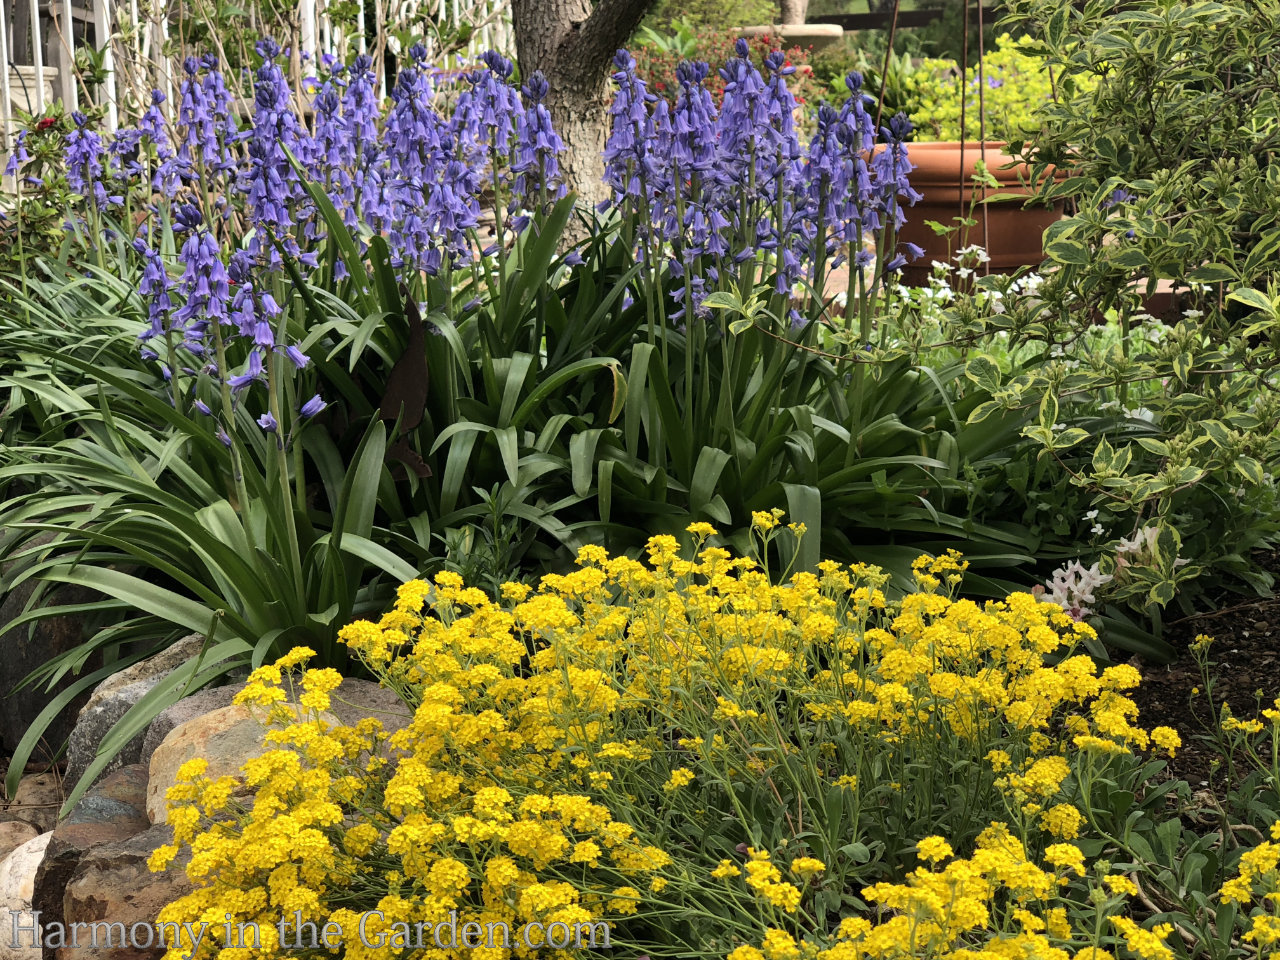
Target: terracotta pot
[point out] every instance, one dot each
(1011, 234)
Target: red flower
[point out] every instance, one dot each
(45, 123)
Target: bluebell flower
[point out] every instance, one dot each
(205, 283)
(536, 160)
(20, 155)
(313, 407)
(83, 157)
(277, 200)
(155, 287)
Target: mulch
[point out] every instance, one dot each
(1245, 674)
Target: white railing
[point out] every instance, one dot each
(40, 40)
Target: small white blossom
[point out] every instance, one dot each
(1072, 587)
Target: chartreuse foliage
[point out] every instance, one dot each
(840, 776)
(999, 99)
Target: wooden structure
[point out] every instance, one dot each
(130, 39)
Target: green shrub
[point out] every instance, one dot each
(999, 101)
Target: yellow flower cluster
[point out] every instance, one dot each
(1259, 876)
(546, 722)
(996, 904)
(450, 821)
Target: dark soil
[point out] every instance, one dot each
(1245, 674)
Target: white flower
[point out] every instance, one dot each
(1192, 314)
(1143, 539)
(1096, 529)
(1072, 586)
(1091, 515)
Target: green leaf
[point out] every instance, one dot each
(1103, 456)
(1161, 593)
(1069, 438)
(982, 411)
(804, 505)
(359, 497)
(155, 600)
(378, 556)
(618, 394)
(549, 385)
(1212, 273)
(723, 300)
(706, 476)
(582, 457)
(1252, 298)
(984, 371)
(1069, 251)
(1250, 469)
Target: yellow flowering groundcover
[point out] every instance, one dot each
(709, 762)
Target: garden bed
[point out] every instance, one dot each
(1246, 650)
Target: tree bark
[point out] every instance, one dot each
(573, 42)
(794, 11)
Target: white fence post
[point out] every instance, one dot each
(6, 97)
(307, 27)
(37, 54)
(66, 26)
(161, 56)
(102, 34)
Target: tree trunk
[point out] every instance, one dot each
(794, 11)
(573, 44)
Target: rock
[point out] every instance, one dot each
(37, 801)
(357, 699)
(13, 834)
(17, 883)
(24, 652)
(225, 738)
(113, 698)
(112, 883)
(188, 708)
(113, 810)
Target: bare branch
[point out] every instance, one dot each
(610, 26)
